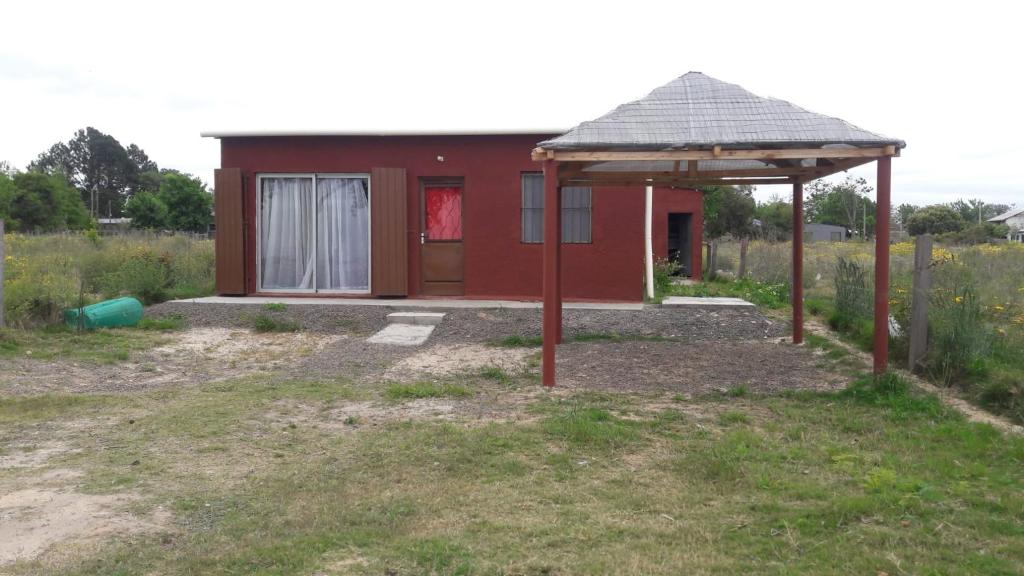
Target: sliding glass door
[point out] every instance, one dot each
(314, 233)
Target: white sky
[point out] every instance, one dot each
(944, 77)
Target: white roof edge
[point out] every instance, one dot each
(1007, 215)
(264, 133)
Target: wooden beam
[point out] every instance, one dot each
(691, 168)
(761, 154)
(679, 182)
(837, 166)
(736, 173)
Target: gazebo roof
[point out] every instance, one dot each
(697, 131)
(696, 110)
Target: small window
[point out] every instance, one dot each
(576, 212)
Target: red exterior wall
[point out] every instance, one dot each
(667, 200)
(497, 264)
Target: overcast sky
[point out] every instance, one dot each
(944, 77)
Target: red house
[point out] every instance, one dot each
(427, 214)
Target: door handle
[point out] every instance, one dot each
(423, 237)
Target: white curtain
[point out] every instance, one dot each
(343, 234)
(286, 233)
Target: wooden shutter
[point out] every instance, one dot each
(229, 216)
(388, 232)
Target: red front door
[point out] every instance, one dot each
(441, 239)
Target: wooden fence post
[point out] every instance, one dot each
(1, 273)
(919, 302)
(744, 243)
(712, 259)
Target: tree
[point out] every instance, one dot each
(43, 202)
(147, 211)
(728, 210)
(776, 217)
(7, 191)
(188, 203)
(847, 203)
(904, 212)
(935, 219)
(103, 171)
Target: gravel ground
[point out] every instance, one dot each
(327, 319)
(696, 368)
(711, 349)
(689, 324)
(684, 324)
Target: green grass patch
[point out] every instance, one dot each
(102, 346)
(275, 307)
(872, 479)
(496, 373)
(518, 341)
(163, 323)
(265, 323)
(584, 426)
(765, 294)
(426, 389)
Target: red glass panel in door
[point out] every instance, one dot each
(443, 212)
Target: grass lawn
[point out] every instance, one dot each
(264, 476)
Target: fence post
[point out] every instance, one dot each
(919, 302)
(712, 259)
(744, 242)
(1, 273)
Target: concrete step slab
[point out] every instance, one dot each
(402, 334)
(420, 318)
(705, 301)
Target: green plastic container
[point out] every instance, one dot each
(125, 311)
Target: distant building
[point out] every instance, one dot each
(1015, 220)
(824, 233)
(113, 225)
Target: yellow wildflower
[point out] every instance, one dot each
(958, 299)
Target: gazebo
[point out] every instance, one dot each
(699, 131)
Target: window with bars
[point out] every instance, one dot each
(576, 211)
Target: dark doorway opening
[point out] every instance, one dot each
(679, 249)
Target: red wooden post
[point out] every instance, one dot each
(552, 271)
(882, 215)
(798, 263)
(558, 265)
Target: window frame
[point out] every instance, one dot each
(259, 232)
(523, 210)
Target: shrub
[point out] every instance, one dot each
(853, 294)
(664, 270)
(959, 339)
(46, 274)
(146, 277)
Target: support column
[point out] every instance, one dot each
(552, 271)
(882, 215)
(558, 265)
(797, 290)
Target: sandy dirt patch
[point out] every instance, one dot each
(242, 346)
(194, 356)
(32, 455)
(34, 519)
(447, 359)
